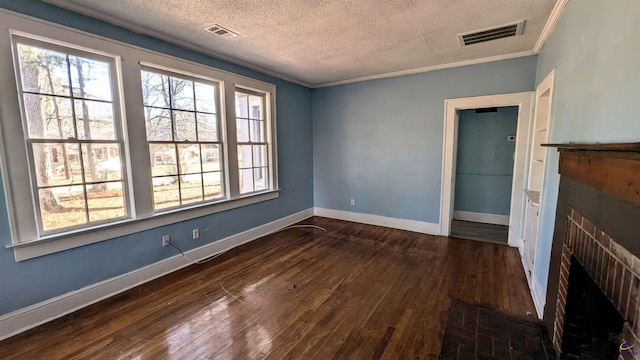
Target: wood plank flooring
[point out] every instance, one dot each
(475, 332)
(353, 292)
(480, 231)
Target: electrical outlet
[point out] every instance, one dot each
(196, 233)
(353, 202)
(165, 240)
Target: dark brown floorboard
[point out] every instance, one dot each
(356, 291)
(480, 333)
(480, 231)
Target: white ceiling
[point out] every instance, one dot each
(321, 42)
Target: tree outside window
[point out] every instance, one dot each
(73, 136)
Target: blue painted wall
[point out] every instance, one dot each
(35, 280)
(380, 141)
(597, 90)
(484, 166)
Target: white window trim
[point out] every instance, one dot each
(268, 137)
(113, 62)
(221, 127)
(129, 61)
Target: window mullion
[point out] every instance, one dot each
(269, 117)
(231, 159)
(137, 152)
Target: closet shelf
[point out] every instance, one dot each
(534, 196)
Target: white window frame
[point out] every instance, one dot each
(220, 129)
(268, 136)
(118, 130)
(26, 241)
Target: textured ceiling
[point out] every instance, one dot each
(318, 42)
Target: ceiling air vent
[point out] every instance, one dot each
(220, 31)
(495, 33)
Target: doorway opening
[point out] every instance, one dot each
(484, 173)
(523, 102)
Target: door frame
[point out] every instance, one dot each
(524, 101)
(539, 299)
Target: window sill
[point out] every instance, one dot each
(65, 241)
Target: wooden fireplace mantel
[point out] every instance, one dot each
(613, 168)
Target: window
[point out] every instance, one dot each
(184, 144)
(252, 139)
(97, 146)
(73, 136)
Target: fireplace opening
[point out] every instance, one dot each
(592, 326)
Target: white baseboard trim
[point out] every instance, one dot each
(525, 269)
(403, 224)
(29, 317)
(481, 217)
(538, 297)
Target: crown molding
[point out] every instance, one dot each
(549, 26)
(430, 68)
(555, 16)
(553, 19)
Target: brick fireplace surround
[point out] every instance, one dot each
(598, 223)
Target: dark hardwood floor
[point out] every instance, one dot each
(356, 291)
(480, 231)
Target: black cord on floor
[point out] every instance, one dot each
(177, 248)
(216, 255)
